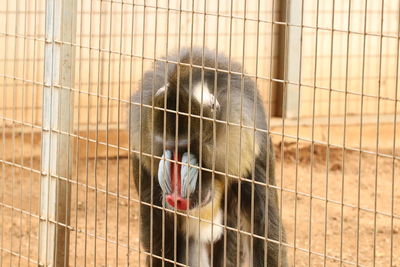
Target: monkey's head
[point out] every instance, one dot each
(185, 104)
(178, 105)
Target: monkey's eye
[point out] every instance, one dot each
(162, 90)
(214, 103)
(202, 94)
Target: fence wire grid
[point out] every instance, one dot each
(327, 73)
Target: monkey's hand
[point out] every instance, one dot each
(178, 177)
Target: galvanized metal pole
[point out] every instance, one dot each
(293, 59)
(57, 126)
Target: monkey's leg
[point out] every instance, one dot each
(226, 255)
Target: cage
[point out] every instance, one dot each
(326, 72)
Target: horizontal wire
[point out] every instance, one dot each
(273, 133)
(96, 189)
(19, 255)
(132, 248)
(282, 23)
(259, 77)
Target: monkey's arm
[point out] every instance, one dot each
(276, 254)
(265, 212)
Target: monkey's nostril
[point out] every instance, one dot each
(170, 200)
(181, 203)
(177, 201)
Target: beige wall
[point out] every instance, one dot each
(381, 48)
(114, 39)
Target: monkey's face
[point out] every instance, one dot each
(179, 179)
(180, 135)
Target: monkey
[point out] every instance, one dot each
(203, 165)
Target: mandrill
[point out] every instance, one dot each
(202, 163)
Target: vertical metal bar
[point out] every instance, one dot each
(346, 82)
(22, 137)
(227, 127)
(177, 122)
(300, 58)
(32, 133)
(329, 131)
(164, 125)
(118, 133)
(152, 207)
(313, 132)
(377, 127)
(57, 126)
(394, 143)
(274, 7)
(139, 189)
(98, 118)
(201, 130)
(107, 107)
(293, 57)
(129, 135)
(4, 113)
(214, 128)
(242, 78)
(284, 91)
(88, 103)
(254, 126)
(78, 150)
(364, 55)
(14, 125)
(190, 113)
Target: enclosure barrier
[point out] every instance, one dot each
(328, 75)
(58, 112)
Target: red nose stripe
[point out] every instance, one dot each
(175, 199)
(176, 174)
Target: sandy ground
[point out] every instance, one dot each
(105, 225)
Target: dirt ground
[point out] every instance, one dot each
(319, 203)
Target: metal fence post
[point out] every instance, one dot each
(293, 59)
(57, 126)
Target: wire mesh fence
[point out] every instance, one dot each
(327, 76)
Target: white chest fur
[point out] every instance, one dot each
(201, 235)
